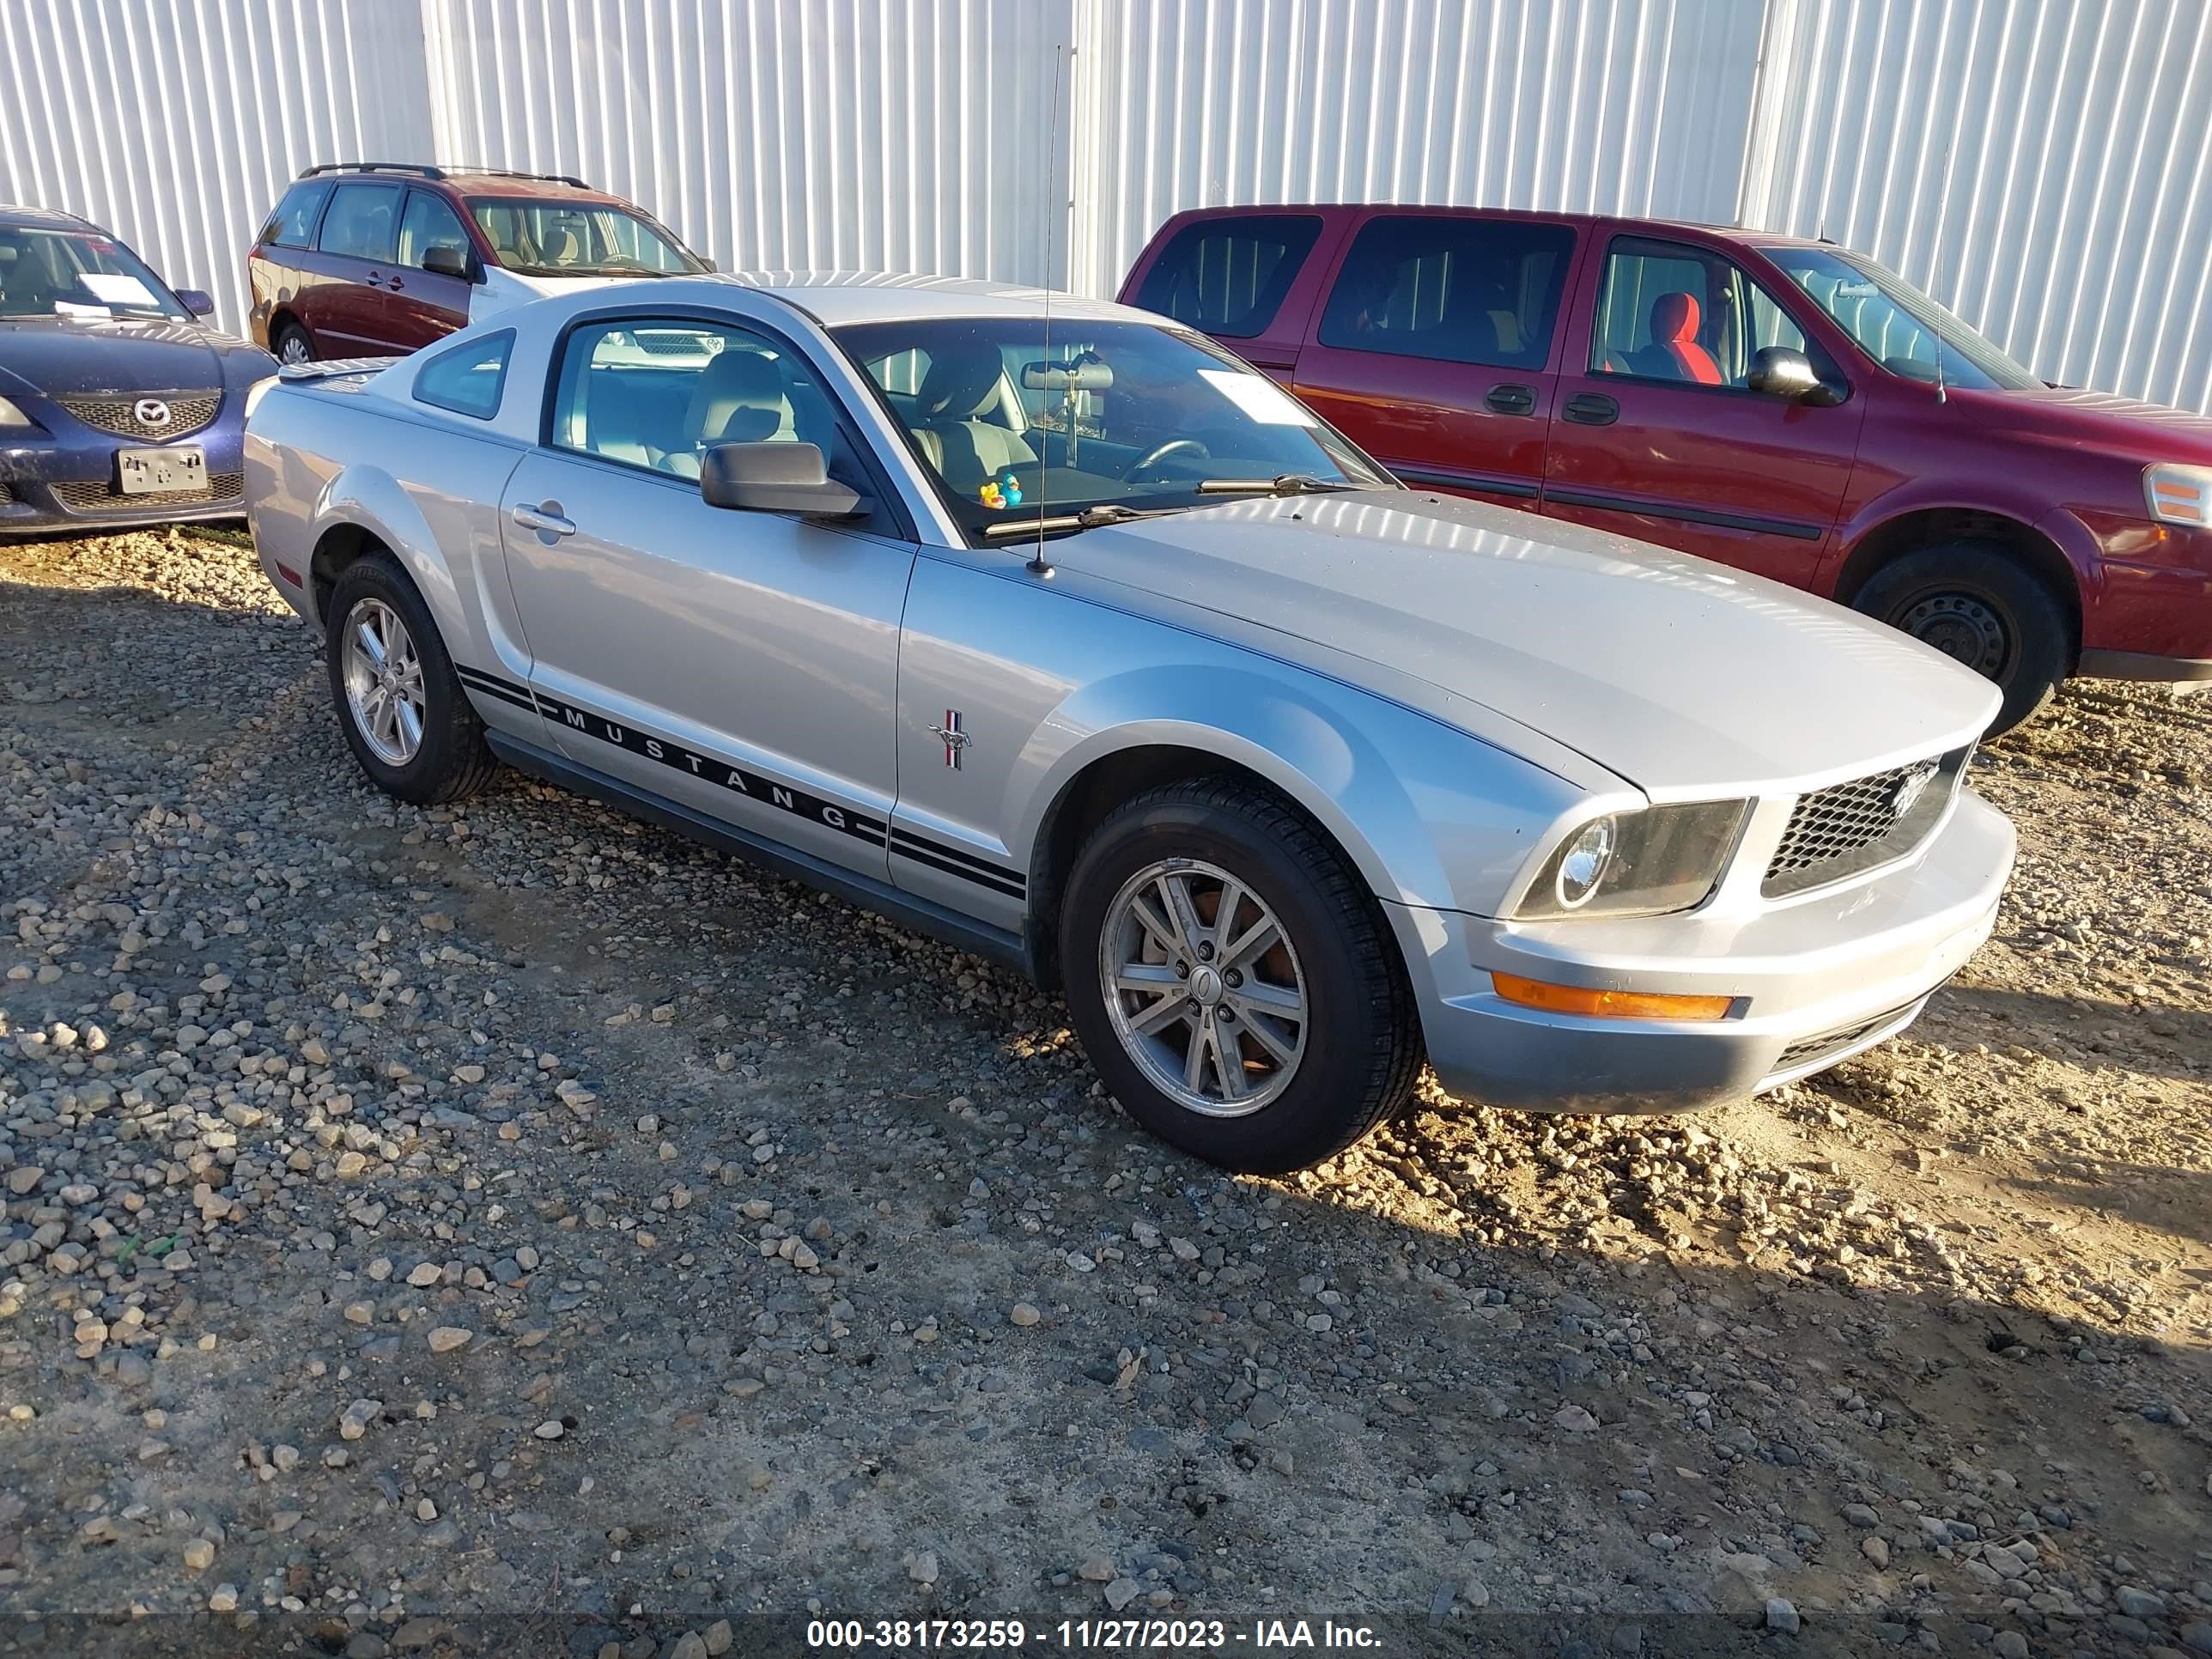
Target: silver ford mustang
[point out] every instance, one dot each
(1063, 635)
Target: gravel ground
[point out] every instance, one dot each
(511, 1229)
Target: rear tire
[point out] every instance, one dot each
(1273, 1092)
(405, 717)
(290, 344)
(1978, 604)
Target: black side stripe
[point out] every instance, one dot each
(953, 862)
(1796, 529)
(506, 690)
(903, 837)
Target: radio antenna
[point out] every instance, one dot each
(1039, 565)
(1935, 265)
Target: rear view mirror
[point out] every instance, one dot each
(196, 301)
(1787, 374)
(446, 260)
(774, 477)
(1083, 374)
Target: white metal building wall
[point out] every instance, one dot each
(2044, 164)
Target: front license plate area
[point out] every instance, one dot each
(161, 472)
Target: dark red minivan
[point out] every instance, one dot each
(1784, 406)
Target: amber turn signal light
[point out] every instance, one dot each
(1606, 1005)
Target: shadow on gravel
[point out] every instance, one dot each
(2159, 1040)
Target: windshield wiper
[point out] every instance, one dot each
(1284, 483)
(1090, 518)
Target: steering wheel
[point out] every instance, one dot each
(1158, 453)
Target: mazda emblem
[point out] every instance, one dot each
(150, 411)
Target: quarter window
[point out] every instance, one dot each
(429, 223)
(1458, 290)
(659, 392)
(1669, 311)
(468, 378)
(293, 223)
(361, 220)
(1228, 276)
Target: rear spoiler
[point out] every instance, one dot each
(335, 369)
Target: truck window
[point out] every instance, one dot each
(1458, 290)
(1669, 311)
(1228, 276)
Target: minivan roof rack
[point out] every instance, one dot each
(425, 170)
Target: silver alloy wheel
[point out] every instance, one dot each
(293, 348)
(1204, 987)
(383, 681)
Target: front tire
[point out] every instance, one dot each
(291, 345)
(1978, 605)
(1233, 980)
(405, 717)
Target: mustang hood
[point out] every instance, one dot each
(1682, 677)
(69, 356)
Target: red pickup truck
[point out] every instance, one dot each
(1784, 406)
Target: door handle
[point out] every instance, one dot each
(1511, 399)
(545, 518)
(396, 285)
(1591, 409)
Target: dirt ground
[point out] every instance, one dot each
(513, 1230)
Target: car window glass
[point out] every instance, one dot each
(48, 272)
(1895, 323)
(1458, 290)
(293, 223)
(467, 379)
(545, 238)
(1668, 312)
(659, 392)
(429, 223)
(361, 220)
(1228, 276)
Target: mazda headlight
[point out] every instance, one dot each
(13, 419)
(2179, 495)
(1636, 864)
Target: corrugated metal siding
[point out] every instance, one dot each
(176, 122)
(2041, 166)
(1635, 106)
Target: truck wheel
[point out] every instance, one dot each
(406, 716)
(290, 344)
(1976, 603)
(1233, 980)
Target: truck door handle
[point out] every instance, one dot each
(1511, 399)
(396, 285)
(545, 518)
(1591, 409)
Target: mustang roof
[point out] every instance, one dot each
(835, 298)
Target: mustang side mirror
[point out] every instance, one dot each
(774, 477)
(447, 260)
(1785, 373)
(196, 301)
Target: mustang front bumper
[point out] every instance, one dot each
(1813, 982)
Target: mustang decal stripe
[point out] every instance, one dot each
(1011, 887)
(491, 686)
(903, 838)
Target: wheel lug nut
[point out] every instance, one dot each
(1190, 1007)
(1182, 971)
(1232, 979)
(1224, 1015)
(1205, 953)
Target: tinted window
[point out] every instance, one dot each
(1462, 290)
(361, 220)
(1228, 276)
(429, 223)
(293, 223)
(1668, 312)
(467, 379)
(659, 393)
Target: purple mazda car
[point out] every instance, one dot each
(117, 406)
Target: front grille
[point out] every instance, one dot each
(1850, 827)
(1807, 1050)
(105, 498)
(188, 412)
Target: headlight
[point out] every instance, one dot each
(1636, 864)
(2179, 495)
(13, 419)
(256, 392)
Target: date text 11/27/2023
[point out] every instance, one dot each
(895, 1635)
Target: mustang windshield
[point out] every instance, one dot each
(537, 238)
(68, 273)
(1107, 415)
(1895, 324)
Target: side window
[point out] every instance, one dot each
(467, 379)
(1457, 290)
(1667, 311)
(361, 220)
(1228, 276)
(428, 223)
(292, 222)
(659, 393)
